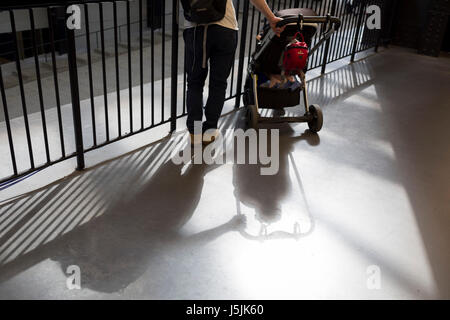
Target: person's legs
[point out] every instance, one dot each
(196, 75)
(222, 43)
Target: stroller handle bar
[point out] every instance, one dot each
(310, 19)
(334, 22)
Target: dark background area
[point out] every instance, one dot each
(422, 25)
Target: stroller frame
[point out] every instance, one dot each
(313, 114)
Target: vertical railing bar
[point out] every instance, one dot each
(105, 86)
(334, 38)
(352, 32)
(380, 32)
(259, 21)
(116, 59)
(130, 80)
(313, 41)
(249, 47)
(184, 84)
(338, 39)
(39, 83)
(163, 49)
(8, 124)
(233, 67)
(373, 33)
(91, 82)
(241, 54)
(324, 7)
(309, 6)
(346, 29)
(55, 80)
(314, 62)
(362, 46)
(316, 6)
(372, 36)
(152, 78)
(355, 44)
(234, 57)
(327, 44)
(251, 35)
(75, 95)
(345, 33)
(174, 76)
(325, 48)
(322, 49)
(354, 21)
(22, 91)
(141, 63)
(184, 81)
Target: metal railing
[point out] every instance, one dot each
(145, 98)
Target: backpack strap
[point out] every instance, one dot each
(205, 37)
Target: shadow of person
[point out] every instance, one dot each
(265, 193)
(115, 249)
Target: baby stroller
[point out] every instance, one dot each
(266, 61)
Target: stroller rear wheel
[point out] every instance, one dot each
(315, 125)
(252, 117)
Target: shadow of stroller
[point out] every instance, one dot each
(265, 193)
(137, 233)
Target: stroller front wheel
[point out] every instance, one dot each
(315, 125)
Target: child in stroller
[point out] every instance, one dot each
(269, 83)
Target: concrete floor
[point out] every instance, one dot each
(372, 189)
